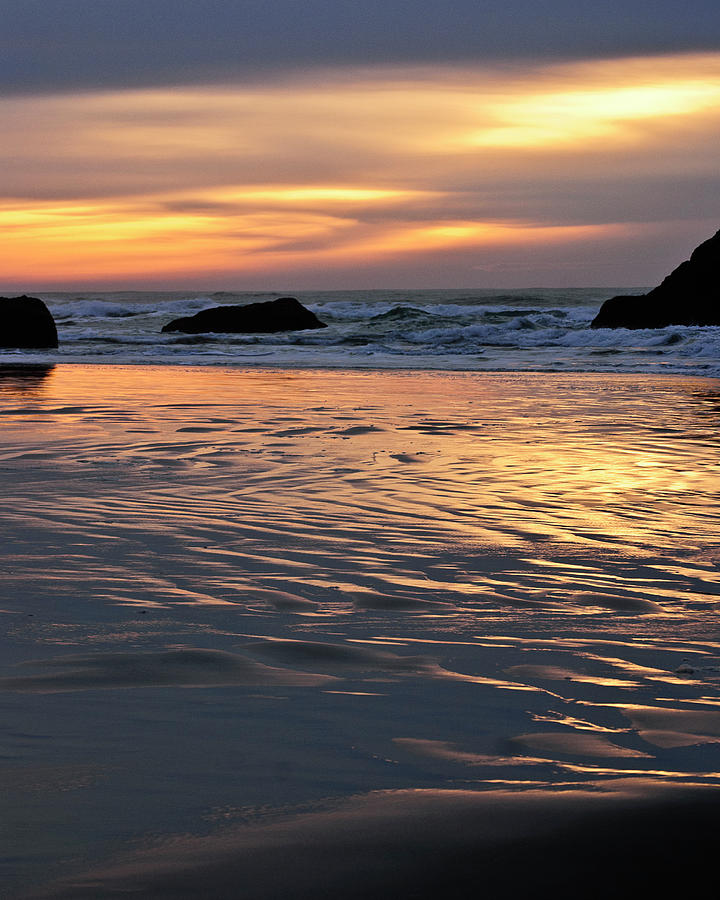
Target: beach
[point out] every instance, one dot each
(310, 632)
(359, 473)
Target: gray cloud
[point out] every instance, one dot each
(70, 44)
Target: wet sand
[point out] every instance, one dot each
(410, 620)
(609, 840)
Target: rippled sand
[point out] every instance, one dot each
(241, 606)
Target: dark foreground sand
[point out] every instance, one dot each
(614, 840)
(326, 634)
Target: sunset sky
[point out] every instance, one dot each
(281, 145)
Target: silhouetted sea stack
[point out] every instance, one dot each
(283, 314)
(690, 295)
(26, 323)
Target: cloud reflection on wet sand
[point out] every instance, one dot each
(332, 584)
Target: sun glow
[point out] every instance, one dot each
(92, 240)
(362, 166)
(577, 115)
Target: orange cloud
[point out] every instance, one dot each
(326, 170)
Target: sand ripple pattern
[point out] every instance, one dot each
(330, 583)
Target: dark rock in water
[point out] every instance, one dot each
(25, 323)
(690, 295)
(284, 314)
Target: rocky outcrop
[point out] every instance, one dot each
(690, 295)
(283, 314)
(26, 323)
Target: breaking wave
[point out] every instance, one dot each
(538, 330)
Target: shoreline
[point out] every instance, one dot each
(408, 370)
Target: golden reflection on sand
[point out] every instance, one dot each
(478, 475)
(274, 588)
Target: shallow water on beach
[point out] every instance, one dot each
(231, 596)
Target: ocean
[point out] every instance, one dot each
(545, 330)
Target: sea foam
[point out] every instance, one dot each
(538, 330)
